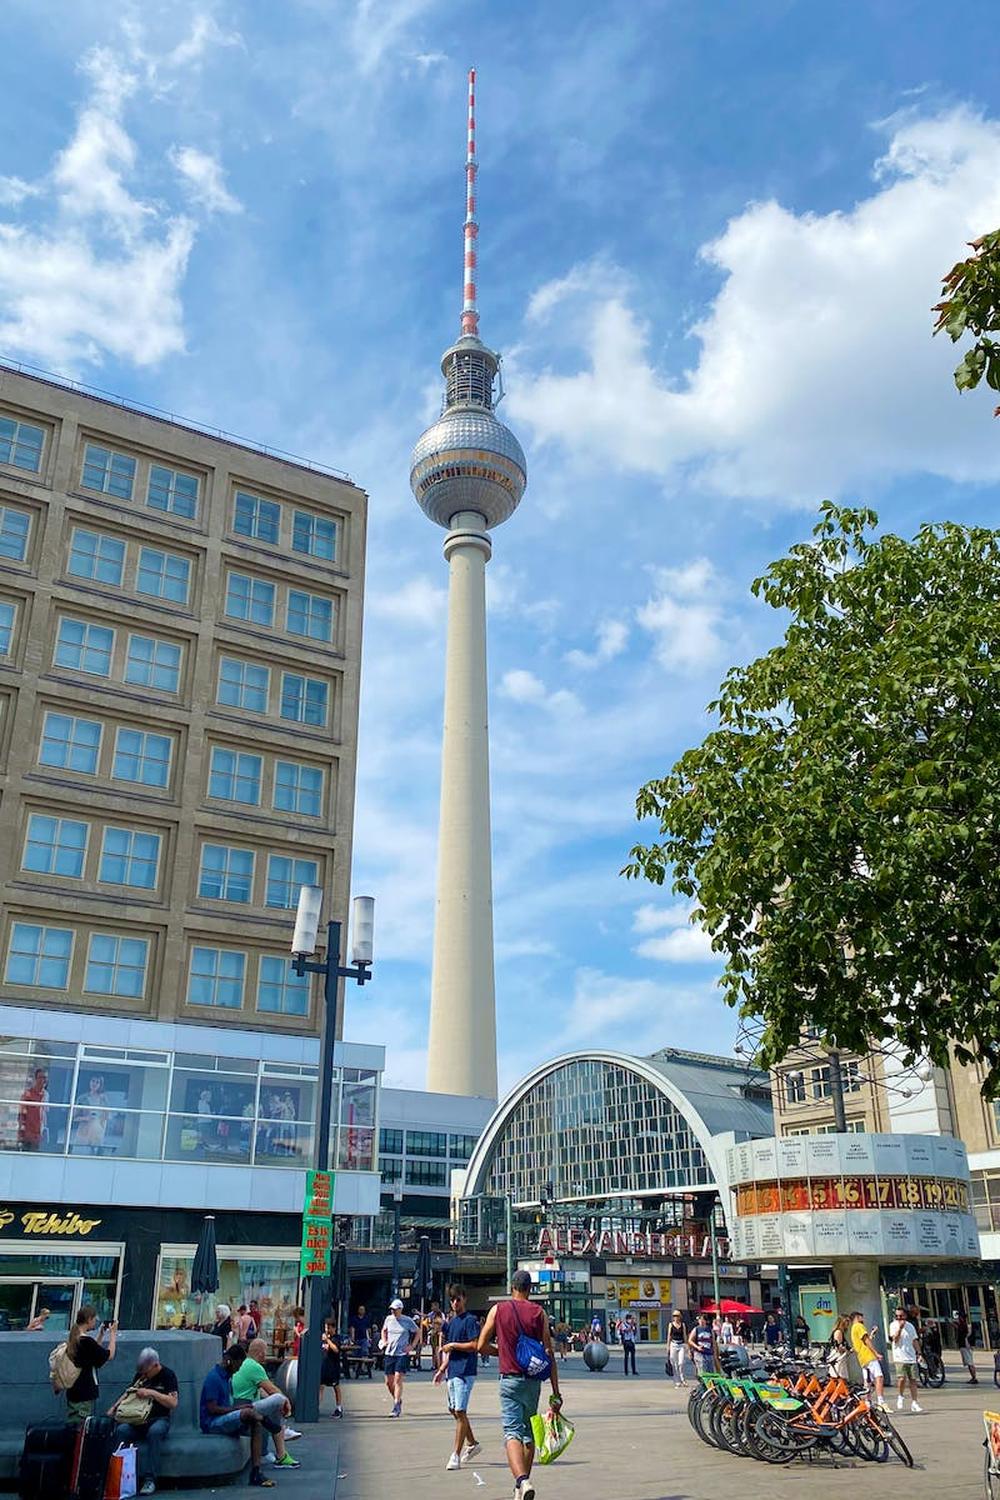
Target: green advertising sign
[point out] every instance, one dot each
(317, 1225)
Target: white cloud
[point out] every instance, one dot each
(522, 686)
(378, 27)
(612, 638)
(684, 616)
(89, 174)
(203, 177)
(682, 942)
(14, 190)
(418, 601)
(205, 33)
(629, 1014)
(815, 368)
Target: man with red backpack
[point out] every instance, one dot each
(517, 1330)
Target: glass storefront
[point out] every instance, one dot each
(266, 1281)
(84, 1100)
(60, 1282)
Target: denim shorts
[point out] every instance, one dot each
(459, 1391)
(230, 1424)
(518, 1404)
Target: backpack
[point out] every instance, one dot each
(530, 1354)
(63, 1373)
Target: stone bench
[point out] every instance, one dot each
(26, 1397)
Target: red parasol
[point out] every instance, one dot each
(730, 1309)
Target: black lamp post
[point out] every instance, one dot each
(304, 943)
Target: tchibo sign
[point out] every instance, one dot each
(821, 1197)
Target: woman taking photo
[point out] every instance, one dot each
(88, 1352)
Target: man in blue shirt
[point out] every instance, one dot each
(217, 1414)
(458, 1366)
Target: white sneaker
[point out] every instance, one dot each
(915, 1407)
(473, 1451)
(527, 1490)
(290, 1434)
(269, 1457)
(899, 1403)
(454, 1462)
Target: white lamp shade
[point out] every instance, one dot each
(307, 919)
(363, 930)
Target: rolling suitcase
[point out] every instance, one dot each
(95, 1444)
(44, 1468)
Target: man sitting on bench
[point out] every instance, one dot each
(218, 1414)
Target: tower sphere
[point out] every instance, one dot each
(467, 460)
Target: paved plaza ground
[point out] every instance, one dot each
(633, 1442)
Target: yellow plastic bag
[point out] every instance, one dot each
(552, 1434)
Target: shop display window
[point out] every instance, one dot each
(267, 1283)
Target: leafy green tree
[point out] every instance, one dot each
(839, 831)
(971, 304)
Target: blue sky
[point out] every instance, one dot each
(711, 234)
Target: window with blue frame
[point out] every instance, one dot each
(70, 743)
(55, 846)
(39, 956)
(285, 876)
(15, 528)
(310, 615)
(298, 788)
(163, 575)
(234, 776)
(257, 518)
(243, 684)
(107, 471)
(21, 444)
(226, 873)
(172, 491)
(130, 857)
(153, 663)
(216, 978)
(142, 756)
(281, 991)
(250, 599)
(303, 699)
(314, 535)
(116, 966)
(96, 556)
(84, 647)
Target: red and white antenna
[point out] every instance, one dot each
(470, 312)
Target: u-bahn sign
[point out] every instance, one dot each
(642, 1245)
(822, 1197)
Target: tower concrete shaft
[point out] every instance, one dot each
(462, 1056)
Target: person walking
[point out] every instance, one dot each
(868, 1356)
(963, 1338)
(459, 1366)
(330, 1371)
(519, 1393)
(400, 1338)
(905, 1347)
(772, 1331)
(676, 1347)
(703, 1346)
(628, 1333)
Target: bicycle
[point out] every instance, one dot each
(930, 1371)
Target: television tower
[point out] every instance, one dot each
(468, 474)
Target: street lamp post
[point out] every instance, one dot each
(304, 943)
(397, 1203)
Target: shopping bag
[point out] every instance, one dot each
(121, 1483)
(552, 1434)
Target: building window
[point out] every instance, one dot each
(116, 966)
(55, 846)
(427, 1173)
(391, 1168)
(130, 858)
(226, 873)
(172, 491)
(303, 699)
(98, 557)
(8, 614)
(298, 788)
(250, 599)
(85, 647)
(280, 990)
(235, 776)
(111, 473)
(391, 1140)
(795, 1088)
(143, 757)
(260, 519)
(284, 876)
(819, 1083)
(310, 615)
(21, 444)
(164, 575)
(15, 526)
(314, 535)
(243, 684)
(461, 1147)
(153, 663)
(72, 744)
(850, 1072)
(426, 1143)
(216, 978)
(39, 956)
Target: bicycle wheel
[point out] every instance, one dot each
(769, 1437)
(701, 1414)
(871, 1443)
(935, 1375)
(893, 1438)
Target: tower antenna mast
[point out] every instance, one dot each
(470, 311)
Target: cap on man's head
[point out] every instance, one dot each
(395, 1305)
(521, 1281)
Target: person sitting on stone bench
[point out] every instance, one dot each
(252, 1386)
(143, 1415)
(218, 1413)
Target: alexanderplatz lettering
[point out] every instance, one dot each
(645, 1244)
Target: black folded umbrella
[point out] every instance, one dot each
(340, 1287)
(205, 1270)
